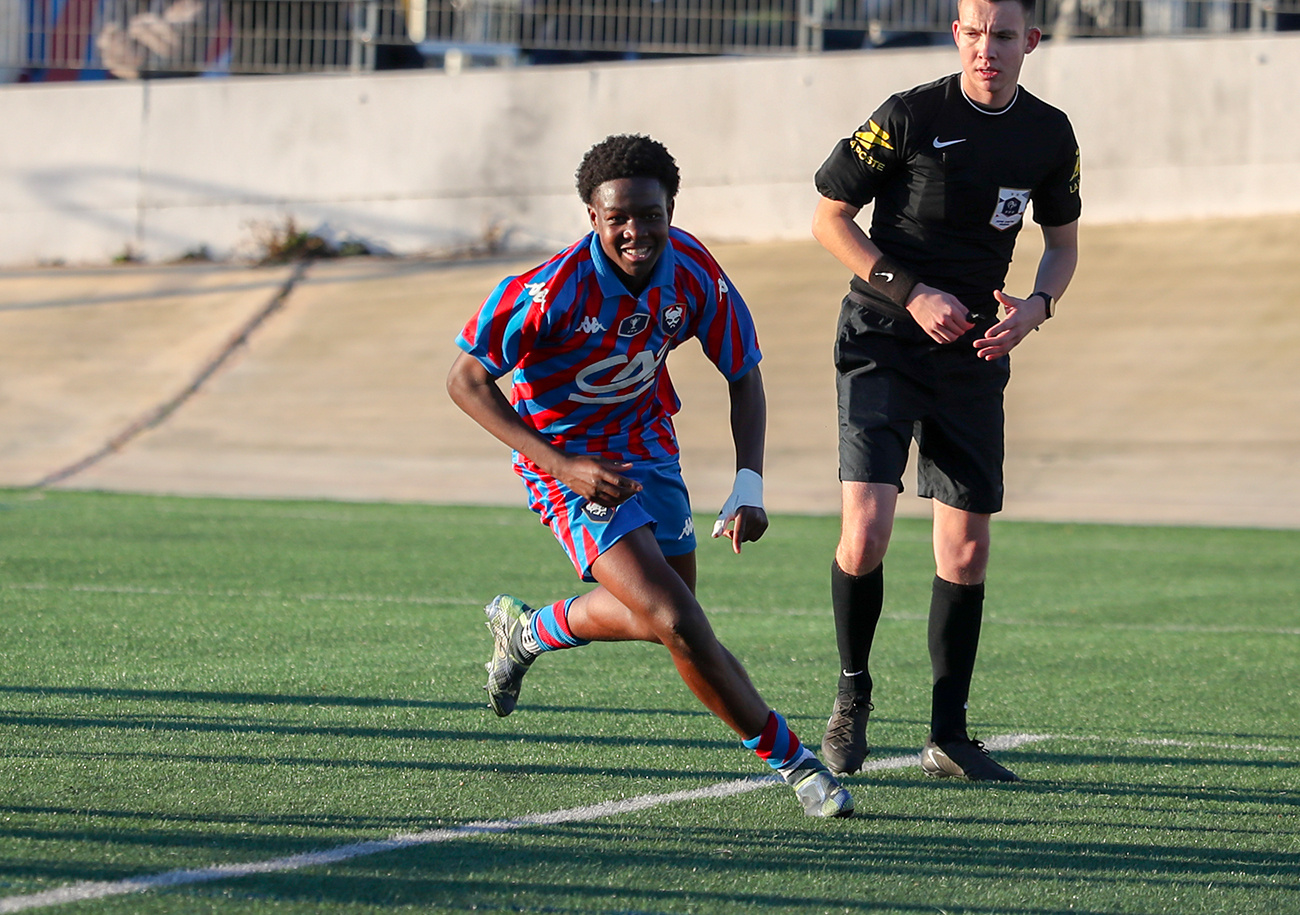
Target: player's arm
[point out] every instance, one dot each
(939, 314)
(1055, 270)
(749, 432)
(475, 391)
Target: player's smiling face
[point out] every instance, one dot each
(631, 216)
(993, 39)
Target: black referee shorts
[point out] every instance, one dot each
(895, 383)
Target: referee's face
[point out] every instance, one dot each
(993, 39)
(631, 216)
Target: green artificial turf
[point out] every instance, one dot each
(189, 682)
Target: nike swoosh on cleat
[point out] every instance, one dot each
(940, 145)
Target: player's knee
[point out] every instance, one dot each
(965, 563)
(682, 628)
(860, 553)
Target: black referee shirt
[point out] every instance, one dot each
(952, 182)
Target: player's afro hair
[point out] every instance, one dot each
(627, 156)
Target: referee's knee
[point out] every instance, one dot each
(860, 555)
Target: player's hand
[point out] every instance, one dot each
(1022, 316)
(599, 480)
(749, 523)
(939, 314)
(742, 517)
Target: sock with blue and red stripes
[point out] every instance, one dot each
(778, 746)
(548, 629)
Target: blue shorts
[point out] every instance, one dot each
(586, 529)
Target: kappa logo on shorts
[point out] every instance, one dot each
(687, 529)
(671, 318)
(598, 513)
(1012, 203)
(633, 325)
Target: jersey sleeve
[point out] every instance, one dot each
(506, 325)
(1056, 201)
(858, 164)
(726, 329)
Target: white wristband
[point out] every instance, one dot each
(747, 490)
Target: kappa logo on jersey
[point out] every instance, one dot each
(590, 325)
(537, 291)
(671, 318)
(723, 288)
(687, 529)
(1012, 203)
(597, 512)
(633, 325)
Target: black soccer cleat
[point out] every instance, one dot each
(844, 747)
(963, 758)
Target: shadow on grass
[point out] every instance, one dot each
(243, 698)
(633, 867)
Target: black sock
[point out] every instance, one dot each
(954, 636)
(857, 600)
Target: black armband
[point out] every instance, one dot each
(893, 282)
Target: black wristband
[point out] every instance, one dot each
(892, 281)
(1047, 302)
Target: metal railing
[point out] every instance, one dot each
(136, 38)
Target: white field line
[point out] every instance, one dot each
(80, 892)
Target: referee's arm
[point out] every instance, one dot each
(1055, 269)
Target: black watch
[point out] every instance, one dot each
(1047, 302)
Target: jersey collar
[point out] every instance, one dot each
(980, 108)
(611, 285)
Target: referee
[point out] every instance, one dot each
(922, 351)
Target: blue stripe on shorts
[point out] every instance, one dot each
(587, 530)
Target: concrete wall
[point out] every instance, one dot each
(424, 161)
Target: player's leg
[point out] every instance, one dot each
(961, 471)
(961, 551)
(877, 406)
(649, 597)
(857, 598)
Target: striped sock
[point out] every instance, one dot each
(778, 746)
(549, 630)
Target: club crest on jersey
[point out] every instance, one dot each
(633, 325)
(1012, 203)
(600, 514)
(671, 318)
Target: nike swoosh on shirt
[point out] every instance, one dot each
(941, 144)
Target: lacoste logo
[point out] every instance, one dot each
(889, 277)
(590, 325)
(938, 144)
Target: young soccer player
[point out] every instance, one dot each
(586, 335)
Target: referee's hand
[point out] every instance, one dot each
(1022, 316)
(939, 314)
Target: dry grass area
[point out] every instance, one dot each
(1166, 390)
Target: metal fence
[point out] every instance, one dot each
(62, 39)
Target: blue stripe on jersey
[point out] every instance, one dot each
(588, 357)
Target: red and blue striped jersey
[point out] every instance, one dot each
(588, 357)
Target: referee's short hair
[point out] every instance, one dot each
(627, 156)
(1026, 5)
